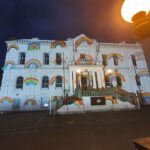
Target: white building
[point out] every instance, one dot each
(38, 71)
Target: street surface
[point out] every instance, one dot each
(89, 131)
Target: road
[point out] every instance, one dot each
(89, 131)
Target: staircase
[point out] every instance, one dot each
(116, 92)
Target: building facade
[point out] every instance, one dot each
(37, 71)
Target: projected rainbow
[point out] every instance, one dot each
(34, 62)
(34, 46)
(78, 102)
(84, 39)
(114, 54)
(10, 100)
(12, 46)
(143, 73)
(53, 79)
(87, 58)
(58, 43)
(31, 81)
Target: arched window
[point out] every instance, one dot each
(138, 81)
(58, 81)
(45, 82)
(119, 82)
(19, 83)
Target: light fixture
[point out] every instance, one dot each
(132, 7)
(78, 71)
(109, 71)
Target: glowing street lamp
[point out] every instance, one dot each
(133, 7)
(137, 12)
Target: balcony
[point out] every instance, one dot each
(84, 63)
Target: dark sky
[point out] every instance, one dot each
(61, 19)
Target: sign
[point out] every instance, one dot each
(98, 101)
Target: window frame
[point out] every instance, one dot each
(22, 59)
(58, 58)
(19, 85)
(58, 81)
(45, 83)
(46, 59)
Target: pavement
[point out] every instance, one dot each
(89, 131)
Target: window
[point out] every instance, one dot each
(108, 81)
(138, 81)
(19, 83)
(46, 58)
(58, 81)
(104, 60)
(58, 59)
(119, 82)
(133, 60)
(45, 82)
(115, 60)
(82, 56)
(22, 58)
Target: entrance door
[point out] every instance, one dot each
(84, 82)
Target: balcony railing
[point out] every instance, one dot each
(84, 63)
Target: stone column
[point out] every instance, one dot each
(71, 82)
(99, 80)
(94, 80)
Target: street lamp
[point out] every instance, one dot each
(137, 12)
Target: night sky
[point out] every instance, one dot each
(62, 19)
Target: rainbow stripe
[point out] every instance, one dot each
(53, 79)
(113, 76)
(143, 73)
(10, 100)
(12, 46)
(88, 58)
(116, 54)
(10, 63)
(31, 81)
(79, 103)
(35, 62)
(34, 46)
(146, 94)
(84, 39)
(58, 43)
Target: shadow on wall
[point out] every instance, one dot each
(1, 73)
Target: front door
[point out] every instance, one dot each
(84, 82)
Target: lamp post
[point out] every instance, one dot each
(137, 12)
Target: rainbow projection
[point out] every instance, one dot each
(33, 62)
(12, 46)
(31, 81)
(58, 43)
(73, 100)
(53, 79)
(10, 100)
(83, 39)
(143, 73)
(34, 46)
(146, 97)
(114, 54)
(88, 58)
(113, 76)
